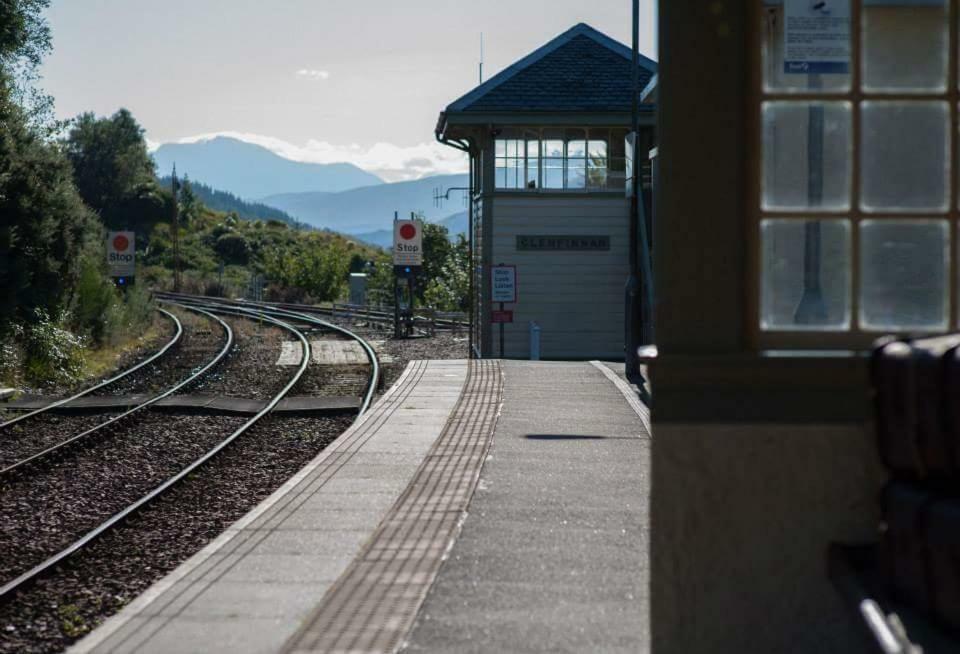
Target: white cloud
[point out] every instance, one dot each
(393, 163)
(314, 75)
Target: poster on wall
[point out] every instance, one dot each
(816, 37)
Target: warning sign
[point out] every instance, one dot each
(121, 257)
(816, 37)
(407, 243)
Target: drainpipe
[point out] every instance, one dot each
(466, 146)
(633, 314)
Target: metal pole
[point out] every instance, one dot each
(632, 315)
(812, 308)
(176, 231)
(501, 330)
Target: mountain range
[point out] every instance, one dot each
(371, 208)
(339, 197)
(251, 171)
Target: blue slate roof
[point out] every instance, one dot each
(581, 70)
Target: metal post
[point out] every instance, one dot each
(501, 330)
(176, 231)
(632, 314)
(812, 308)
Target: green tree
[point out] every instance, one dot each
(45, 226)
(113, 171)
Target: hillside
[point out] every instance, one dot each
(250, 171)
(456, 225)
(227, 202)
(370, 209)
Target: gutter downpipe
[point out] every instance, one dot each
(633, 315)
(465, 147)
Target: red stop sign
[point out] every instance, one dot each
(120, 242)
(407, 232)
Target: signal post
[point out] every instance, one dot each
(407, 262)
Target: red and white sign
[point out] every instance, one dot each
(121, 257)
(503, 281)
(407, 243)
(501, 316)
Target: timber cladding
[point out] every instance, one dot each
(572, 258)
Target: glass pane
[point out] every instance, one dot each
(904, 157)
(597, 173)
(553, 173)
(805, 281)
(903, 274)
(501, 174)
(532, 173)
(807, 153)
(576, 173)
(501, 147)
(553, 148)
(818, 40)
(533, 149)
(905, 45)
(597, 149)
(576, 142)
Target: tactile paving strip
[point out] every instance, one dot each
(373, 605)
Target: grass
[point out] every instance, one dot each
(98, 362)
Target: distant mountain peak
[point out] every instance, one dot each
(251, 171)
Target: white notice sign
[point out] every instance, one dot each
(407, 243)
(816, 37)
(504, 284)
(120, 254)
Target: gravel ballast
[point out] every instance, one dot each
(99, 581)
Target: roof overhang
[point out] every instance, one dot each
(459, 125)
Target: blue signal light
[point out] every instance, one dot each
(407, 269)
(121, 281)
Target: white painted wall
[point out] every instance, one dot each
(576, 297)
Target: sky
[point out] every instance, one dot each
(313, 80)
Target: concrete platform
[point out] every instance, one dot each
(445, 521)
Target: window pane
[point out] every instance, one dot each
(806, 156)
(553, 173)
(500, 147)
(553, 148)
(532, 173)
(905, 46)
(533, 149)
(903, 274)
(501, 174)
(597, 173)
(576, 173)
(904, 156)
(806, 275)
(775, 67)
(597, 149)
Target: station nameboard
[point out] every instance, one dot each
(407, 243)
(503, 283)
(121, 257)
(590, 243)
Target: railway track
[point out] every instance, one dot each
(371, 315)
(178, 333)
(63, 446)
(273, 317)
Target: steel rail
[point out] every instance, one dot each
(8, 590)
(173, 341)
(374, 378)
(370, 314)
(43, 455)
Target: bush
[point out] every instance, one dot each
(53, 354)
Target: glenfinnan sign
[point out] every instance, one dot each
(555, 243)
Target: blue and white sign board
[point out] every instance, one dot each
(503, 284)
(816, 37)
